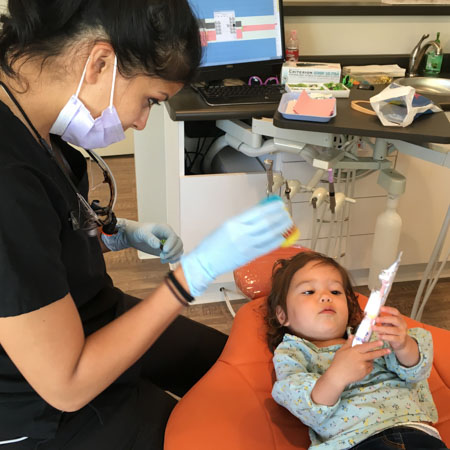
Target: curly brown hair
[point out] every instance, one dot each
(282, 274)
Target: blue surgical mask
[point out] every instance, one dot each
(76, 125)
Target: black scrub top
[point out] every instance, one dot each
(42, 259)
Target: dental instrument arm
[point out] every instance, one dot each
(269, 169)
(331, 191)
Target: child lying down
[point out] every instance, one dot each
(370, 396)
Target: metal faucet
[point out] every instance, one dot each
(418, 53)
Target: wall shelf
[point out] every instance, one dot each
(362, 9)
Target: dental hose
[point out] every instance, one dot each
(332, 197)
(319, 227)
(331, 191)
(314, 221)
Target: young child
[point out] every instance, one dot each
(371, 396)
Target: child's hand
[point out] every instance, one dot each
(349, 364)
(352, 364)
(392, 328)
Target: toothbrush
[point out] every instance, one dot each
(291, 235)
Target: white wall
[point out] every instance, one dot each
(3, 4)
(365, 35)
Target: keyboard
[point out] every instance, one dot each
(241, 95)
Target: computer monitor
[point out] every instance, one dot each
(240, 38)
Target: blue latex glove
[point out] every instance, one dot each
(147, 237)
(238, 241)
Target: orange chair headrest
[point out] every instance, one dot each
(255, 278)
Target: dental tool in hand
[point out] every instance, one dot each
(376, 300)
(291, 235)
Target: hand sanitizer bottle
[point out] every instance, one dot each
(434, 60)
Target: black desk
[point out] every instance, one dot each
(427, 128)
(187, 105)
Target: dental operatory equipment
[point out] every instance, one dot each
(293, 234)
(287, 196)
(331, 191)
(334, 213)
(330, 207)
(269, 171)
(292, 187)
(376, 300)
(332, 200)
(339, 161)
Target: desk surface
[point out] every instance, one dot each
(187, 105)
(427, 128)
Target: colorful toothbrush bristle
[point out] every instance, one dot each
(291, 236)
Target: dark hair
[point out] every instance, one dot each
(282, 274)
(152, 37)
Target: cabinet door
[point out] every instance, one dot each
(206, 201)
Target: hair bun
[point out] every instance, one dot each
(31, 19)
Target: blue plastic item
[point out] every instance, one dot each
(286, 98)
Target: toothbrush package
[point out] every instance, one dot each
(398, 106)
(376, 300)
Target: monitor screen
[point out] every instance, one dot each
(239, 37)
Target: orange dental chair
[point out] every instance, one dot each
(231, 407)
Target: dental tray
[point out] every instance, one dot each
(284, 102)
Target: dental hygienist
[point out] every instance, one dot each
(82, 365)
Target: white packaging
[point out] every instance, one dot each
(310, 72)
(318, 88)
(391, 70)
(376, 300)
(398, 106)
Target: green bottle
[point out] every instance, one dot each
(434, 60)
